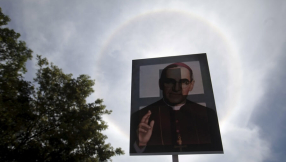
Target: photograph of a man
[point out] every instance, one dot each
(174, 124)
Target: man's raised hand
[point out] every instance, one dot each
(145, 130)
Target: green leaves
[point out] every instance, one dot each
(49, 119)
(3, 18)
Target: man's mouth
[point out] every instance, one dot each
(175, 94)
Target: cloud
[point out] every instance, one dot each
(270, 112)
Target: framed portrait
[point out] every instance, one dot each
(172, 107)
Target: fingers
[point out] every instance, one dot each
(142, 130)
(146, 117)
(152, 124)
(145, 126)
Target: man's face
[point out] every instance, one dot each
(177, 85)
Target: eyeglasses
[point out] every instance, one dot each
(169, 83)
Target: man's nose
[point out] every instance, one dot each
(177, 87)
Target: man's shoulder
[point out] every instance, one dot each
(193, 106)
(153, 106)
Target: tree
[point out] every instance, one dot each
(49, 119)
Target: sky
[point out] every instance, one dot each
(245, 42)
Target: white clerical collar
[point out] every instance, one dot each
(176, 107)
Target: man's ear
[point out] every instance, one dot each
(192, 85)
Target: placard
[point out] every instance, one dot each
(172, 107)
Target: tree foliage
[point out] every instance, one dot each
(48, 119)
